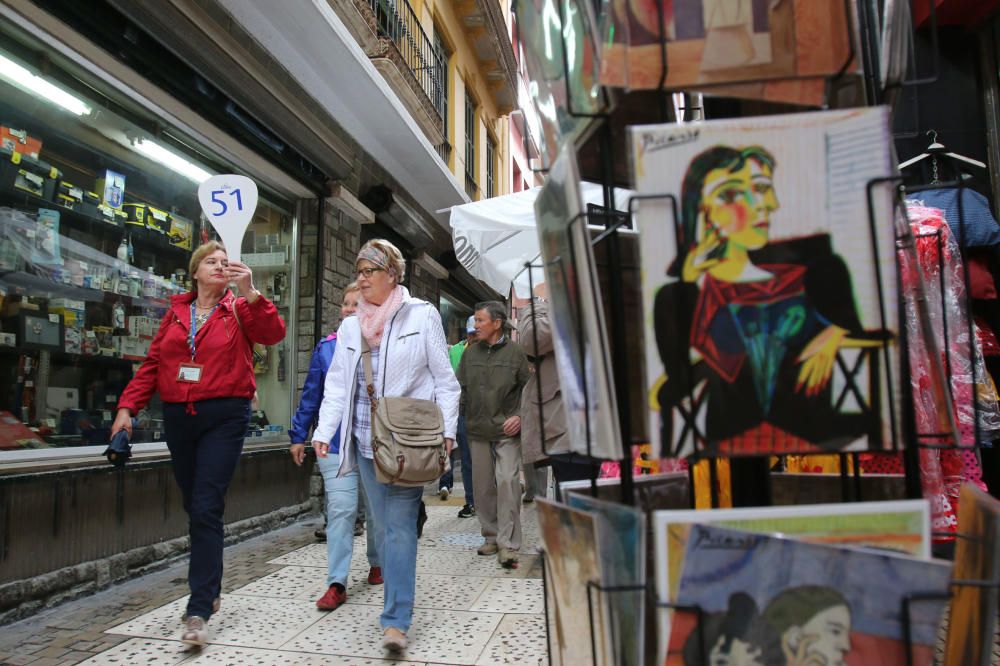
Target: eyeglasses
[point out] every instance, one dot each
(368, 272)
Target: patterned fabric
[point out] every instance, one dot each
(362, 429)
(373, 318)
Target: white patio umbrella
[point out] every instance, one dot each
(495, 238)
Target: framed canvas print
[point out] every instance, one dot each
(902, 526)
(718, 42)
(570, 538)
(973, 616)
(781, 601)
(623, 556)
(770, 297)
(579, 333)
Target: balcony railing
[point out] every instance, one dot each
(444, 151)
(397, 22)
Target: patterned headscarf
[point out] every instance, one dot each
(377, 257)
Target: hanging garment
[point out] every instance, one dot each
(974, 396)
(976, 227)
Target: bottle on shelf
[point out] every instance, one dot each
(123, 251)
(131, 250)
(149, 284)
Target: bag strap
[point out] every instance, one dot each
(366, 359)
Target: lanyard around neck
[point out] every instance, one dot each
(194, 326)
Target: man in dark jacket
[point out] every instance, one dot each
(492, 374)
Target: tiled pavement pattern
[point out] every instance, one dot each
(468, 609)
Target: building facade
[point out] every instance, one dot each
(348, 135)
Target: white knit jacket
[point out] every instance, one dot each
(413, 363)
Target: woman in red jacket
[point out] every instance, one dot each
(201, 363)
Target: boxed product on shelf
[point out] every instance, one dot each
(72, 311)
(131, 346)
(40, 331)
(114, 216)
(90, 346)
(90, 204)
(8, 340)
(73, 341)
(136, 214)
(157, 220)
(143, 327)
(19, 140)
(111, 187)
(181, 232)
(25, 173)
(69, 195)
(10, 258)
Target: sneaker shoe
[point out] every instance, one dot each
(488, 548)
(467, 511)
(320, 535)
(359, 529)
(507, 558)
(393, 639)
(195, 631)
(216, 605)
(443, 493)
(335, 596)
(421, 519)
(375, 576)
(527, 500)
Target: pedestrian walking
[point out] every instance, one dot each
(201, 364)
(544, 391)
(447, 480)
(409, 358)
(492, 374)
(341, 492)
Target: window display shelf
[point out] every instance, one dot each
(66, 358)
(142, 238)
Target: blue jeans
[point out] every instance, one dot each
(341, 510)
(448, 479)
(395, 510)
(205, 447)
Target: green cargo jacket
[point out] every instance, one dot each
(492, 378)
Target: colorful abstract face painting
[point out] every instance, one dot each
(775, 308)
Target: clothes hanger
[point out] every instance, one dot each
(936, 149)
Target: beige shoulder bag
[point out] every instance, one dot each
(407, 435)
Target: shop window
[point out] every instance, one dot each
(98, 220)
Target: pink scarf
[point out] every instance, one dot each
(373, 318)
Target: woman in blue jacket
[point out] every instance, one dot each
(341, 492)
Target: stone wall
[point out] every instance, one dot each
(423, 284)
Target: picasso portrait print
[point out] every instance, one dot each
(770, 300)
(770, 601)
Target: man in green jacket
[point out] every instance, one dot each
(492, 373)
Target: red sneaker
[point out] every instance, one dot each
(375, 576)
(334, 597)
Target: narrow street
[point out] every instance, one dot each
(468, 609)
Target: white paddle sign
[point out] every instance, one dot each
(229, 202)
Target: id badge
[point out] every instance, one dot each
(189, 373)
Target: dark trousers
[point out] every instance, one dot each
(448, 479)
(571, 467)
(205, 447)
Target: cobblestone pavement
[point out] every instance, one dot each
(468, 609)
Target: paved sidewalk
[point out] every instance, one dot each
(468, 609)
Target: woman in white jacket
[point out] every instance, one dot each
(409, 356)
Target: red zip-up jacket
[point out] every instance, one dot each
(225, 350)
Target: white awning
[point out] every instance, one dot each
(317, 49)
(495, 238)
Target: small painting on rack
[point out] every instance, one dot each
(977, 558)
(771, 301)
(785, 601)
(761, 46)
(579, 333)
(901, 526)
(570, 539)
